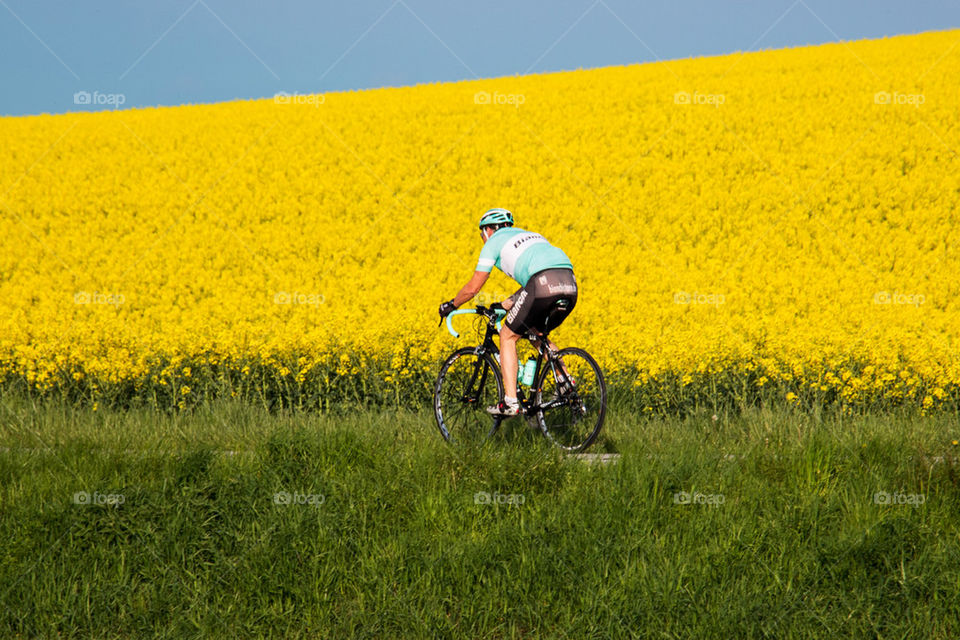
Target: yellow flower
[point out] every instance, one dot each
(708, 294)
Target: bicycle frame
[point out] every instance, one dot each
(533, 406)
(489, 346)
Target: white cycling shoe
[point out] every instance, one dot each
(503, 409)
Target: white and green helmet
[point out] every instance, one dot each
(496, 216)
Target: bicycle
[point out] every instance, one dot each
(567, 399)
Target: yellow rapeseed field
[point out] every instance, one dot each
(781, 222)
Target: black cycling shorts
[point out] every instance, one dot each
(532, 303)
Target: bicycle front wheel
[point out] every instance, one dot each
(468, 383)
(572, 400)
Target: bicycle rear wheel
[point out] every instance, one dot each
(571, 411)
(468, 383)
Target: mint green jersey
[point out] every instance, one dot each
(520, 254)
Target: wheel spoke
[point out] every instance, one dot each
(572, 400)
(467, 383)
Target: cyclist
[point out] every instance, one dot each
(545, 275)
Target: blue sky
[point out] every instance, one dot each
(189, 51)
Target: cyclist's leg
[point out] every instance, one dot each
(508, 361)
(514, 326)
(549, 287)
(554, 349)
(508, 349)
(528, 312)
(511, 300)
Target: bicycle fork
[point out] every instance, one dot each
(473, 390)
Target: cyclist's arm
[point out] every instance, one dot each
(472, 288)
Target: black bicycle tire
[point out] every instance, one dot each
(603, 398)
(453, 357)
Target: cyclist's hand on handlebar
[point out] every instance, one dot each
(446, 309)
(496, 306)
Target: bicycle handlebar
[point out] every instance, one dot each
(490, 314)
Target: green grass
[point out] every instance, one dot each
(399, 547)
